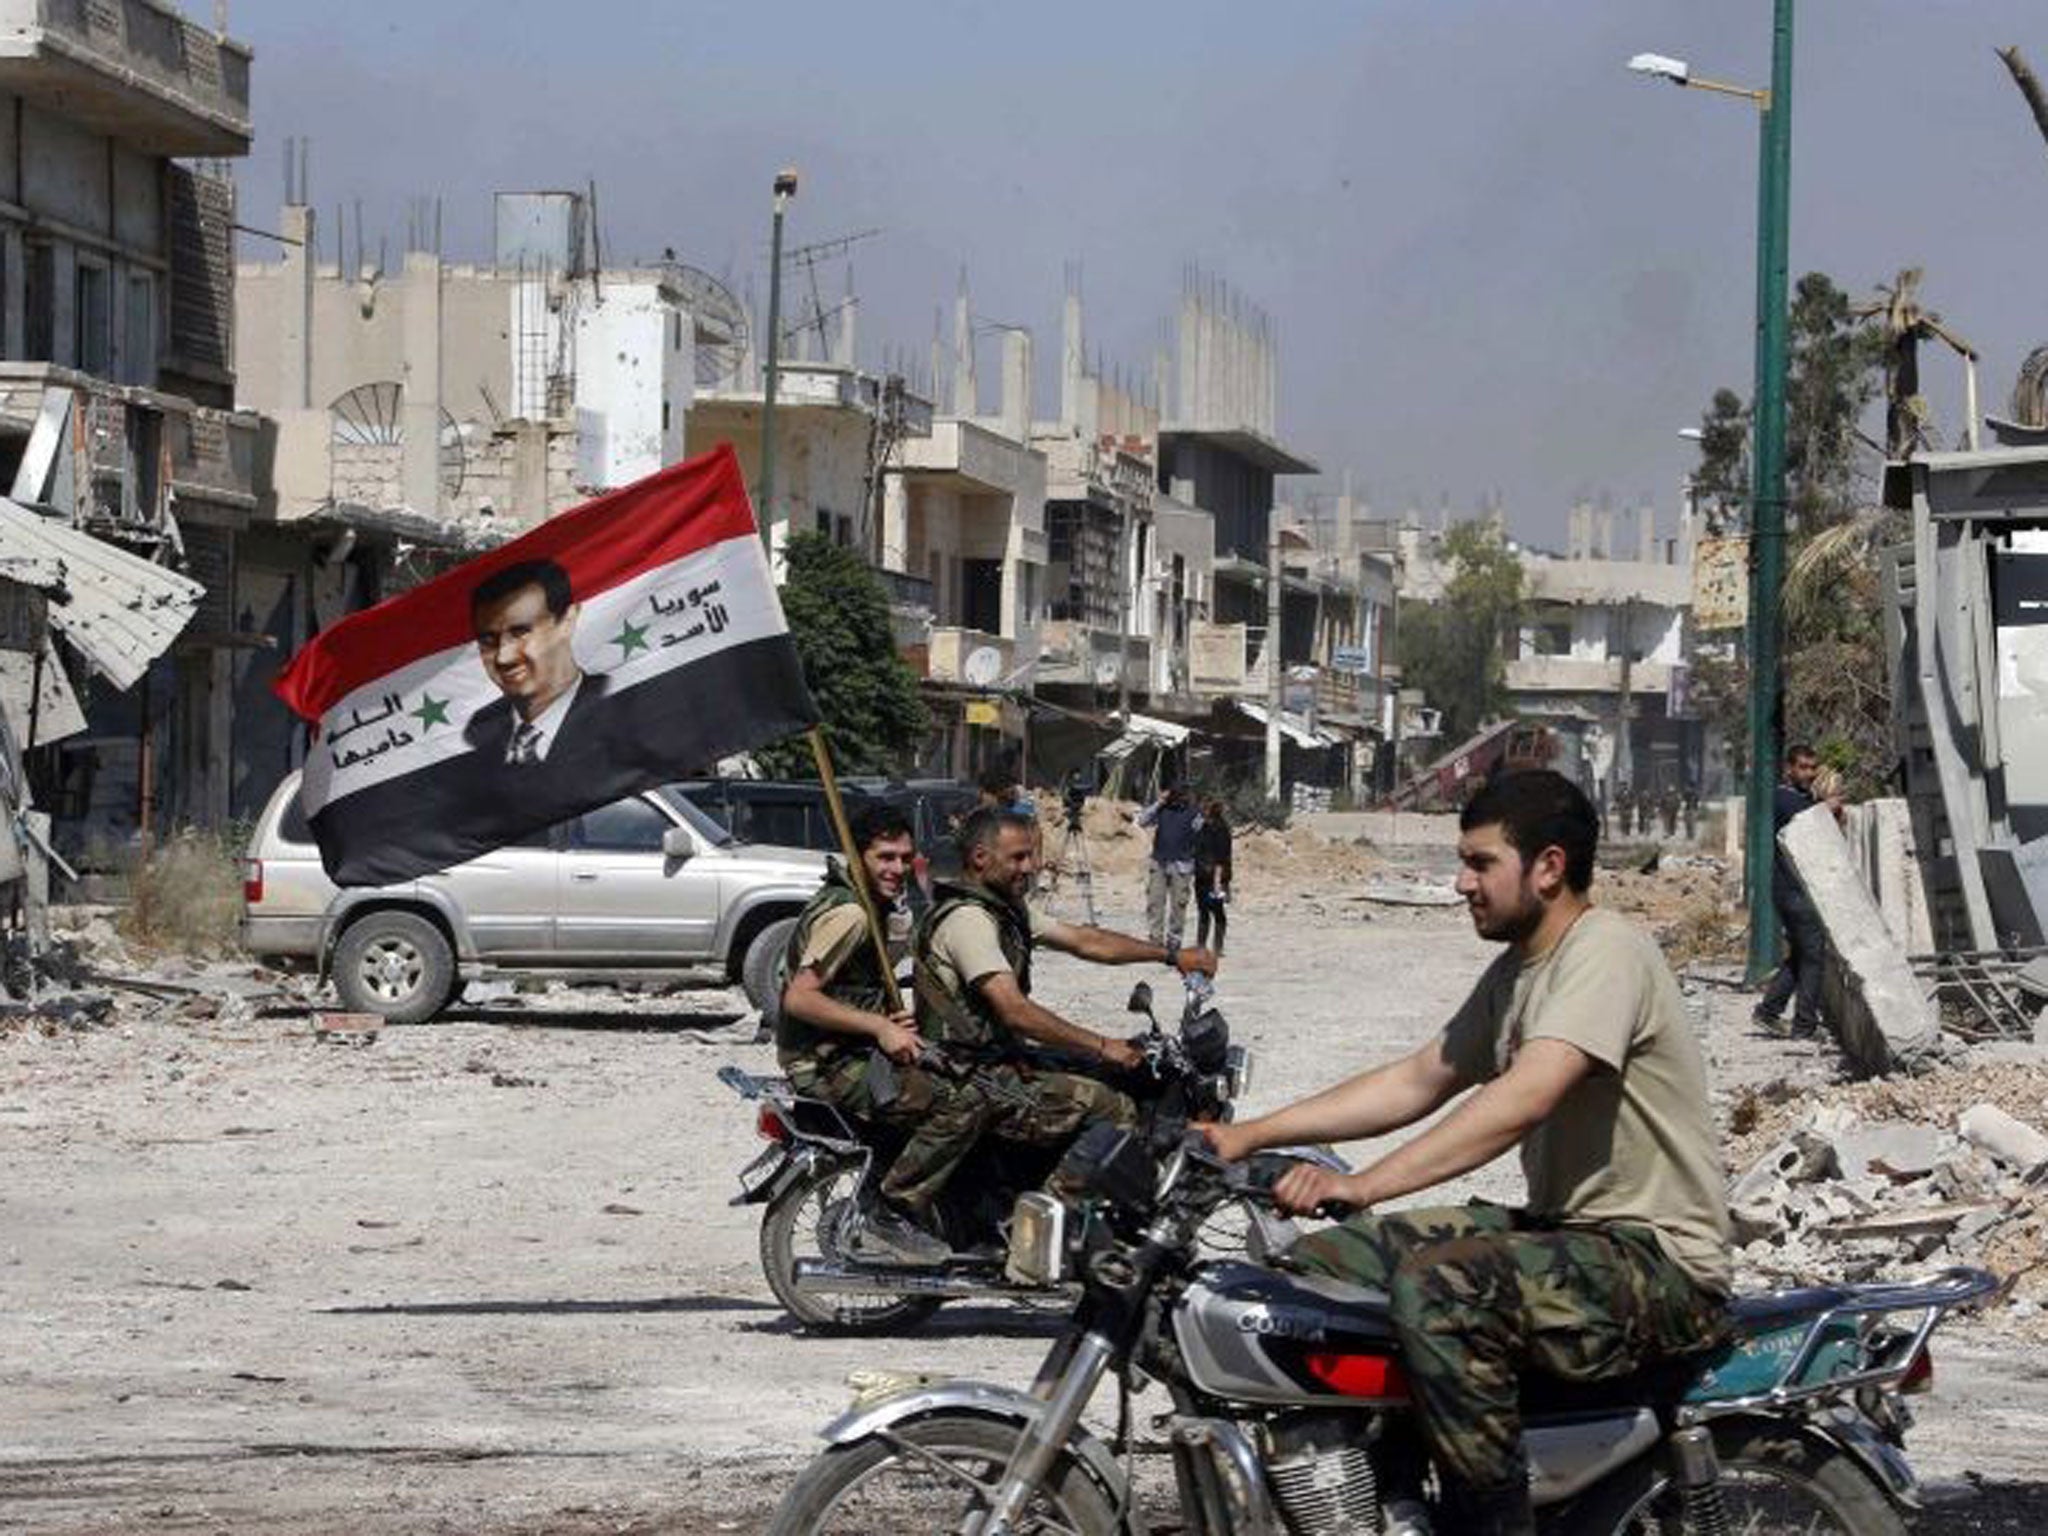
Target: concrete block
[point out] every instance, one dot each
(1897, 1150)
(2013, 1142)
(1883, 1015)
(1880, 836)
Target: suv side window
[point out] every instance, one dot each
(777, 821)
(624, 826)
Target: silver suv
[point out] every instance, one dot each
(642, 887)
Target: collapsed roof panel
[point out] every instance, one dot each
(119, 611)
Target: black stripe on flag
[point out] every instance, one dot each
(675, 725)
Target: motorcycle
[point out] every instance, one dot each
(820, 1169)
(1289, 1414)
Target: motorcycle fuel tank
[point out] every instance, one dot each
(1255, 1335)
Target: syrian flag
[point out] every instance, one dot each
(632, 641)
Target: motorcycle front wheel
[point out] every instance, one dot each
(808, 1221)
(1774, 1482)
(935, 1474)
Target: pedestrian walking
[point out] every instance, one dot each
(1212, 875)
(1805, 943)
(1171, 879)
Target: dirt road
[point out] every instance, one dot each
(481, 1276)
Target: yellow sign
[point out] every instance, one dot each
(1720, 584)
(984, 712)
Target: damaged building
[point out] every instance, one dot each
(131, 476)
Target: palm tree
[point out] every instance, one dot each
(1907, 420)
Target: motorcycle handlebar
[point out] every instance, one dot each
(1255, 1177)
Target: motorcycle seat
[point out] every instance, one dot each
(1658, 1385)
(1768, 1310)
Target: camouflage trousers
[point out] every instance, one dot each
(1483, 1294)
(945, 1116)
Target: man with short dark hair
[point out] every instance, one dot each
(1578, 1046)
(835, 1026)
(1801, 971)
(973, 970)
(524, 618)
(1170, 878)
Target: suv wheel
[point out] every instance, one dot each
(761, 973)
(396, 964)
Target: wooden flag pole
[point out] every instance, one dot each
(856, 866)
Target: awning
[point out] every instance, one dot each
(119, 611)
(1293, 727)
(1143, 731)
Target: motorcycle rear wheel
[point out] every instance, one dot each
(1774, 1482)
(930, 1475)
(802, 1223)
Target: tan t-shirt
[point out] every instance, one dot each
(967, 946)
(1632, 1141)
(836, 936)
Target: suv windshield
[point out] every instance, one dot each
(699, 823)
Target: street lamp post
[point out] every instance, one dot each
(785, 189)
(1767, 463)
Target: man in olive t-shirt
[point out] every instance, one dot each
(1578, 1047)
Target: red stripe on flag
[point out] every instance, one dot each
(672, 513)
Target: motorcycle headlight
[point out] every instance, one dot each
(1238, 1068)
(1038, 1240)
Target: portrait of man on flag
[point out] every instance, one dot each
(629, 642)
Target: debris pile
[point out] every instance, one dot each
(1897, 1177)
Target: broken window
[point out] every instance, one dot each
(92, 349)
(139, 333)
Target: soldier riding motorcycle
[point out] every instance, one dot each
(864, 1186)
(1291, 1411)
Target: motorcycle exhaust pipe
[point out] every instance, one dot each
(823, 1277)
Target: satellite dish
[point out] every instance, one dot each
(983, 666)
(721, 325)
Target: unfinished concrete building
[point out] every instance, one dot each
(116, 311)
(1967, 620)
(963, 538)
(1604, 642)
(1130, 567)
(507, 391)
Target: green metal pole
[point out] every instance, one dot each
(766, 509)
(1767, 496)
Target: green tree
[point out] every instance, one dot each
(839, 616)
(1721, 483)
(1836, 673)
(1834, 372)
(1455, 650)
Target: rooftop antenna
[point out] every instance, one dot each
(809, 257)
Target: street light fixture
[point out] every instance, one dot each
(1767, 462)
(785, 190)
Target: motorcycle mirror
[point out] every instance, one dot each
(1141, 998)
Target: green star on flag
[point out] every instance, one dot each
(432, 711)
(630, 638)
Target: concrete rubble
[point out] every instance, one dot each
(1852, 1196)
(1882, 1013)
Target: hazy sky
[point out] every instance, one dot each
(1497, 261)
